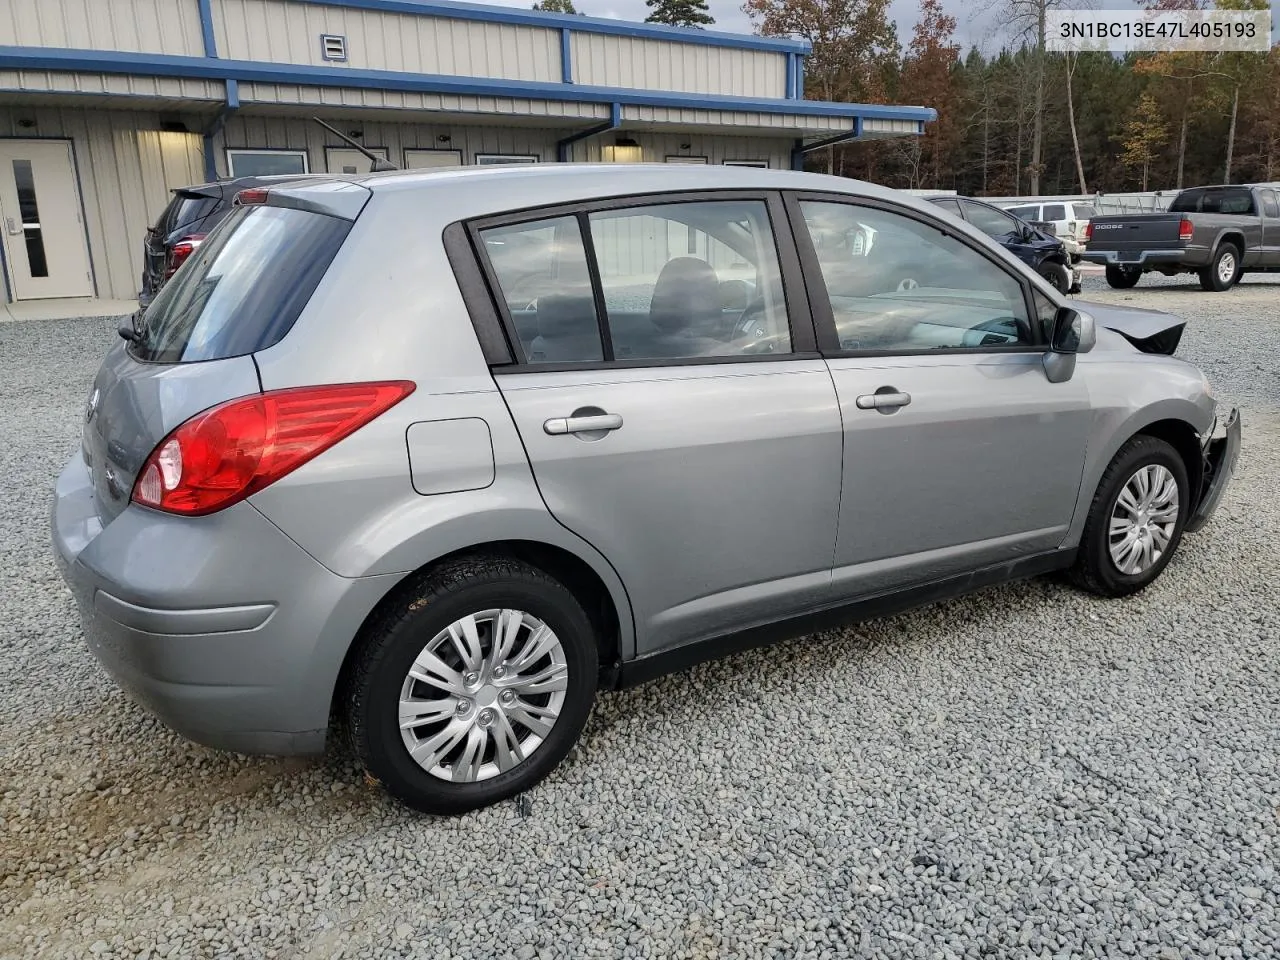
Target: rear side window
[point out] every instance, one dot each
(1026, 213)
(1084, 211)
(244, 288)
(187, 209)
(1054, 211)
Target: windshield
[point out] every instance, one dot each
(1213, 200)
(243, 288)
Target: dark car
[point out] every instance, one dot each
(1034, 246)
(1218, 233)
(182, 226)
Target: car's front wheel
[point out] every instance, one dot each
(1122, 278)
(472, 685)
(1135, 521)
(1057, 275)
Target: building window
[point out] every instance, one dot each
(333, 48)
(488, 159)
(763, 164)
(419, 159)
(265, 163)
(686, 159)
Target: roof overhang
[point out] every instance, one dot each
(655, 108)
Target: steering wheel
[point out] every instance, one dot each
(751, 331)
(998, 326)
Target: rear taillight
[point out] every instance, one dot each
(1186, 230)
(181, 251)
(1088, 231)
(231, 451)
(251, 196)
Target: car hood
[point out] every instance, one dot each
(1151, 331)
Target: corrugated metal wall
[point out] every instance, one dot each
(613, 61)
(136, 26)
(283, 32)
(126, 168)
(403, 100)
(657, 147)
(174, 88)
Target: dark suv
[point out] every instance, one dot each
(1031, 243)
(183, 225)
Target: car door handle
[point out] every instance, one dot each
(561, 425)
(883, 401)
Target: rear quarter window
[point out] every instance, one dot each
(243, 289)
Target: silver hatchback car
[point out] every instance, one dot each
(444, 454)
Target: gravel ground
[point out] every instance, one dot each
(1028, 772)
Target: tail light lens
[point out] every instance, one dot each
(181, 251)
(229, 452)
(254, 195)
(1088, 231)
(1186, 230)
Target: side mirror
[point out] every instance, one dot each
(1073, 333)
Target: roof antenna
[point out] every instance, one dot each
(379, 164)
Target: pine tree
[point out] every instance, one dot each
(555, 6)
(679, 13)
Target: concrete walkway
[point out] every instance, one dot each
(65, 309)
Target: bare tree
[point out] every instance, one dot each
(1072, 60)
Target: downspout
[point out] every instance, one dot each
(801, 148)
(615, 121)
(215, 128)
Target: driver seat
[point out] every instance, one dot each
(686, 310)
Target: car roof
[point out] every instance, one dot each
(516, 186)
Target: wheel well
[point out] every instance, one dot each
(574, 573)
(1235, 239)
(1182, 437)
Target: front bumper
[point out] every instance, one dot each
(1221, 454)
(221, 626)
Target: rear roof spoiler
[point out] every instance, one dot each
(333, 198)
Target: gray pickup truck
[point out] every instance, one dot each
(1218, 233)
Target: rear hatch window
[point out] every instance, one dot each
(186, 209)
(243, 289)
(1213, 200)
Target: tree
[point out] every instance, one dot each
(1145, 133)
(928, 73)
(556, 6)
(1071, 60)
(679, 13)
(855, 46)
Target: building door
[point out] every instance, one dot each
(346, 160)
(45, 250)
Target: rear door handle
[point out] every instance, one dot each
(883, 401)
(561, 425)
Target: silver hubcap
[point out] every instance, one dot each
(483, 695)
(1227, 267)
(1143, 519)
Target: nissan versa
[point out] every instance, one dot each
(442, 454)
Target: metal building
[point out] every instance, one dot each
(105, 105)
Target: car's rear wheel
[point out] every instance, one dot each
(1122, 278)
(1136, 519)
(472, 685)
(1057, 275)
(1224, 270)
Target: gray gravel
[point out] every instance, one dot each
(1028, 772)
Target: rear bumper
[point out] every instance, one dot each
(1137, 258)
(221, 626)
(1221, 455)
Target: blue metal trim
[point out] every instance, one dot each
(566, 55)
(536, 18)
(797, 155)
(165, 65)
(233, 94)
(615, 121)
(214, 128)
(206, 28)
(791, 76)
(800, 78)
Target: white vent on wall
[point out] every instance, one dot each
(333, 47)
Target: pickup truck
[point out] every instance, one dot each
(1218, 233)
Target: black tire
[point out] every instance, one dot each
(1210, 276)
(1122, 278)
(399, 633)
(1059, 277)
(1094, 569)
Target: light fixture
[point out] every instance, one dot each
(622, 150)
(444, 138)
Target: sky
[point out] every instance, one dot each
(976, 22)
